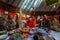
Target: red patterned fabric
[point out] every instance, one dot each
(12, 14)
(2, 11)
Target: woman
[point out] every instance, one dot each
(31, 23)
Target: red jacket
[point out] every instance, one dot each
(30, 23)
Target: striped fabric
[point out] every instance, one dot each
(27, 5)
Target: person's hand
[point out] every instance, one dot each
(27, 26)
(36, 25)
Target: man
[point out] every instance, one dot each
(46, 22)
(2, 21)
